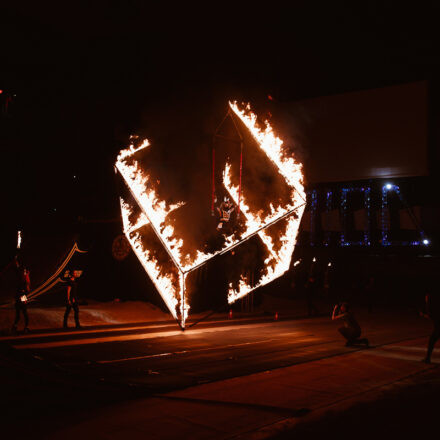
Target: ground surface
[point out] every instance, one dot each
(92, 314)
(241, 378)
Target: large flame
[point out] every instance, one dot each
(272, 145)
(162, 283)
(279, 261)
(155, 212)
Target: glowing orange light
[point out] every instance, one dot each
(155, 212)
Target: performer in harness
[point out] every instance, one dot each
(225, 210)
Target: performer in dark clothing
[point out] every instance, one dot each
(432, 311)
(351, 330)
(23, 289)
(72, 300)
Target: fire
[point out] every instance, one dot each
(156, 211)
(279, 261)
(163, 284)
(272, 146)
(131, 150)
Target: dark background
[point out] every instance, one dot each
(84, 77)
(372, 134)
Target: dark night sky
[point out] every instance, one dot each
(86, 77)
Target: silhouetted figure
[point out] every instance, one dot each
(351, 330)
(311, 290)
(72, 300)
(432, 311)
(23, 289)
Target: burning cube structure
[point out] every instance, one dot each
(170, 255)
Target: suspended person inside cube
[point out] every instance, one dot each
(225, 210)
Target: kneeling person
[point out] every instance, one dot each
(351, 330)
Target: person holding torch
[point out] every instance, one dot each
(23, 289)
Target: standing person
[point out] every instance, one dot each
(23, 289)
(432, 311)
(72, 300)
(351, 330)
